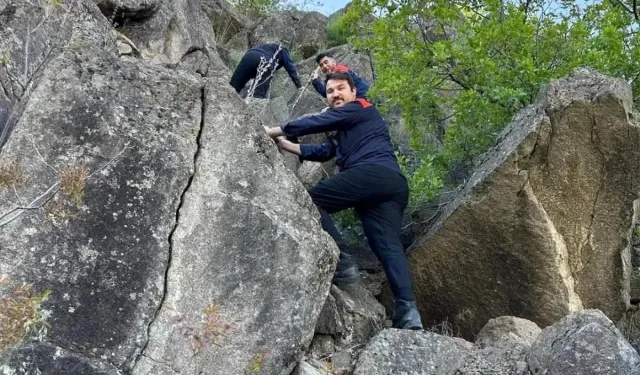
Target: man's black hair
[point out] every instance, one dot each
(341, 76)
(322, 55)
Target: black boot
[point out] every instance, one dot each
(347, 270)
(406, 315)
(345, 276)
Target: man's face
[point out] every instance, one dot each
(339, 93)
(327, 64)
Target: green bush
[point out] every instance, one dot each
(338, 32)
(350, 226)
(459, 71)
(256, 8)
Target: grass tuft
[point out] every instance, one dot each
(11, 174)
(73, 181)
(20, 315)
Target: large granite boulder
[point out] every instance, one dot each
(105, 150)
(160, 217)
(395, 351)
(582, 343)
(169, 31)
(248, 242)
(586, 342)
(543, 226)
(303, 33)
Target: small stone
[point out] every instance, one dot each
(123, 48)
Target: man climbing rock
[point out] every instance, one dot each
(327, 64)
(369, 180)
(261, 62)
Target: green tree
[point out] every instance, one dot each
(459, 70)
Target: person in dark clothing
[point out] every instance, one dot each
(327, 64)
(275, 56)
(369, 180)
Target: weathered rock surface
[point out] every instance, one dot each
(33, 34)
(350, 315)
(181, 243)
(507, 331)
(177, 28)
(410, 352)
(301, 32)
(103, 248)
(585, 342)
(542, 227)
(247, 273)
(500, 347)
(582, 343)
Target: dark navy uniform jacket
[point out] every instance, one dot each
(362, 136)
(282, 60)
(362, 86)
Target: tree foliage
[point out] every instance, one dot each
(459, 70)
(261, 8)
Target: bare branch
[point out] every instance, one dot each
(15, 192)
(623, 5)
(26, 55)
(41, 158)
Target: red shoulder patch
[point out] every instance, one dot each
(341, 68)
(364, 103)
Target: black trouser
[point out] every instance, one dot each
(379, 195)
(246, 70)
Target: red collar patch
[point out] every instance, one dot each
(341, 68)
(364, 103)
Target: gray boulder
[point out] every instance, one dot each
(585, 342)
(303, 33)
(582, 343)
(105, 150)
(247, 229)
(410, 352)
(395, 351)
(350, 315)
(500, 347)
(507, 331)
(178, 28)
(152, 205)
(542, 228)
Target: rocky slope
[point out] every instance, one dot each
(139, 190)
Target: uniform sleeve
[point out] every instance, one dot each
(333, 119)
(362, 86)
(319, 86)
(290, 67)
(318, 152)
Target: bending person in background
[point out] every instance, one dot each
(369, 180)
(327, 64)
(247, 69)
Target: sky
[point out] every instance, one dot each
(330, 6)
